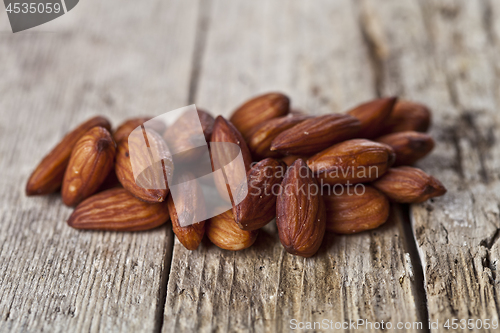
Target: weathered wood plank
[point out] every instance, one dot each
(445, 53)
(105, 57)
(315, 52)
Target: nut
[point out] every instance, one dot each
(91, 161)
(353, 212)
(259, 206)
(151, 185)
(48, 175)
(288, 160)
(354, 161)
(223, 231)
(409, 146)
(124, 130)
(372, 115)
(409, 185)
(315, 134)
(260, 141)
(300, 212)
(408, 116)
(259, 109)
(117, 210)
(191, 208)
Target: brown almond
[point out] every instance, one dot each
(351, 162)
(125, 128)
(409, 146)
(224, 131)
(91, 161)
(190, 207)
(48, 175)
(408, 116)
(259, 109)
(300, 212)
(373, 115)
(259, 206)
(223, 231)
(315, 134)
(184, 138)
(151, 185)
(351, 210)
(117, 210)
(409, 185)
(260, 141)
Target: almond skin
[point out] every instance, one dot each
(207, 123)
(154, 177)
(409, 146)
(351, 212)
(354, 161)
(373, 115)
(300, 212)
(91, 161)
(48, 175)
(223, 231)
(409, 185)
(315, 134)
(408, 116)
(259, 206)
(259, 109)
(260, 141)
(125, 128)
(191, 207)
(288, 160)
(117, 210)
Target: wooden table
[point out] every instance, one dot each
(433, 261)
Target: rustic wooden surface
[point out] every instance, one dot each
(119, 59)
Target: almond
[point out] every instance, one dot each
(151, 185)
(300, 212)
(184, 138)
(48, 175)
(125, 128)
(224, 131)
(259, 109)
(350, 211)
(260, 141)
(409, 185)
(409, 146)
(117, 210)
(223, 231)
(408, 116)
(315, 134)
(91, 161)
(188, 212)
(353, 161)
(259, 206)
(373, 115)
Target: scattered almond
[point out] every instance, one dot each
(257, 110)
(48, 175)
(409, 146)
(408, 116)
(223, 231)
(372, 115)
(353, 212)
(315, 134)
(353, 161)
(409, 185)
(91, 161)
(117, 210)
(300, 212)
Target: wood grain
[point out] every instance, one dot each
(445, 53)
(316, 54)
(112, 58)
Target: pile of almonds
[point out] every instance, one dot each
(336, 172)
